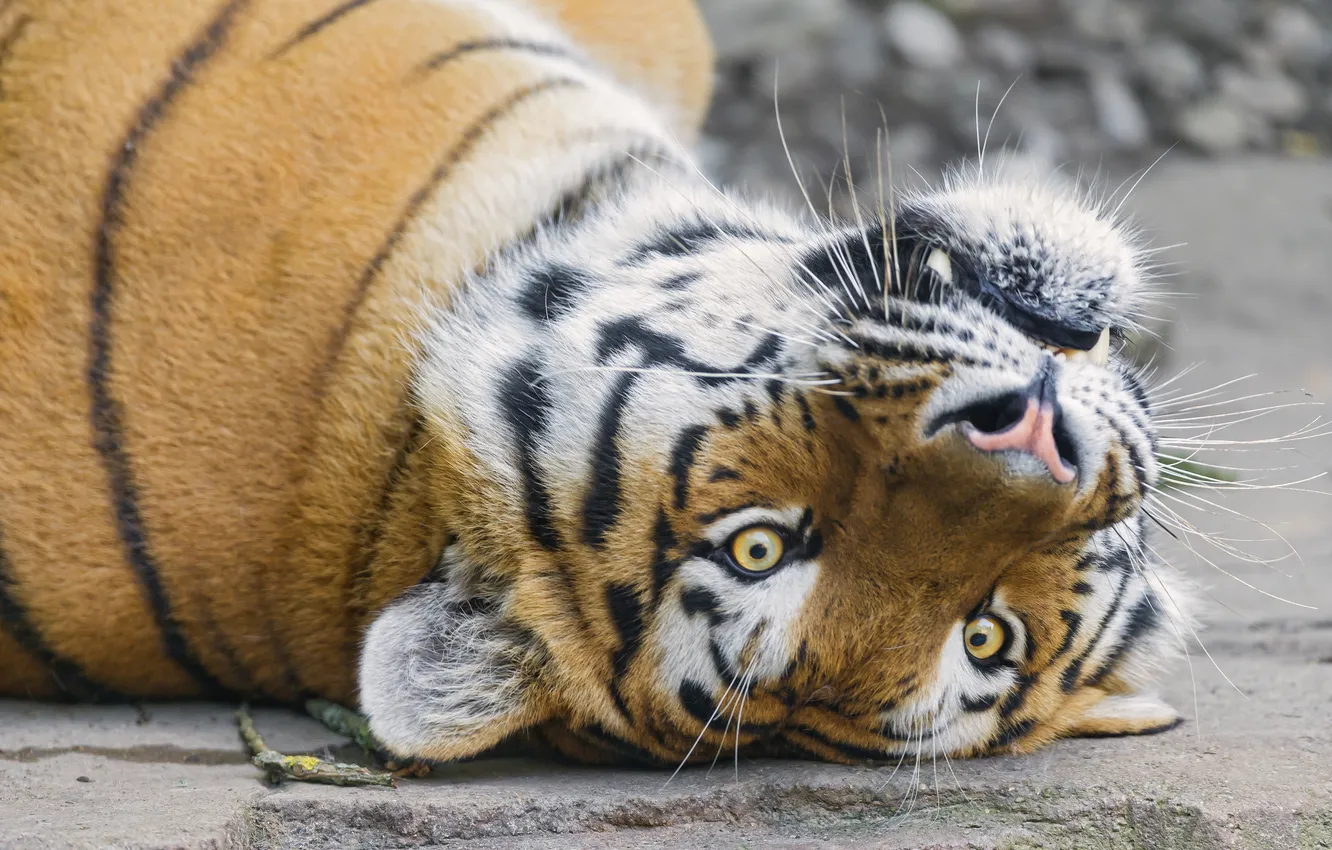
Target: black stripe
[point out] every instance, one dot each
(1073, 622)
(596, 737)
(551, 291)
(691, 238)
(723, 473)
(626, 610)
(1012, 732)
(700, 704)
(1074, 670)
(1142, 618)
(535, 48)
(66, 674)
(724, 670)
(680, 282)
(107, 414)
(602, 508)
(682, 461)
(846, 408)
(526, 407)
(397, 470)
(608, 172)
(414, 204)
(851, 752)
(320, 23)
(786, 748)
(806, 415)
(1017, 698)
(664, 349)
(908, 352)
(10, 38)
(712, 516)
(1150, 730)
(728, 418)
(663, 565)
(370, 532)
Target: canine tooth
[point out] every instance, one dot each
(942, 265)
(1100, 352)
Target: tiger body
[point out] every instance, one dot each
(401, 339)
(202, 323)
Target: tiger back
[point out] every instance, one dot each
(217, 219)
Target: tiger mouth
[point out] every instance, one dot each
(1098, 354)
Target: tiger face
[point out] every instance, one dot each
(720, 478)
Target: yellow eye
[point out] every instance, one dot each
(984, 636)
(756, 549)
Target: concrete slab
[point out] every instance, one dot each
(1249, 770)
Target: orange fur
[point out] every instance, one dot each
(266, 255)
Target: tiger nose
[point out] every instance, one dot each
(1028, 421)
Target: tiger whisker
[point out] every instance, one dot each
(797, 378)
(837, 259)
(777, 334)
(1187, 478)
(980, 166)
(745, 685)
(855, 203)
(1148, 170)
(1159, 398)
(1232, 512)
(1161, 560)
(1188, 528)
(816, 291)
(706, 726)
(1224, 403)
(1188, 545)
(1140, 566)
(1226, 419)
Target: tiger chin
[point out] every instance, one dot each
(496, 418)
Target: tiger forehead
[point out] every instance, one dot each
(1015, 226)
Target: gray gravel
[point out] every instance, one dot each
(1093, 81)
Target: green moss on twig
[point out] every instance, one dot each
(280, 768)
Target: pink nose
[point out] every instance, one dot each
(1033, 434)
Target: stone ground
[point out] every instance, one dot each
(1248, 770)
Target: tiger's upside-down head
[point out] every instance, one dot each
(719, 477)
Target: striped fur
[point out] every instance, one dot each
(394, 351)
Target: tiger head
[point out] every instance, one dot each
(719, 477)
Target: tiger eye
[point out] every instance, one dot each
(984, 636)
(757, 549)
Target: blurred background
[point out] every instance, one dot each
(1093, 82)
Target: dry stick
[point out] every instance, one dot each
(302, 768)
(353, 725)
(344, 721)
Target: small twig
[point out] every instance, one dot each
(279, 767)
(346, 722)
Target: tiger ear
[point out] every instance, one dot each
(1107, 715)
(445, 678)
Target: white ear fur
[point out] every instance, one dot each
(444, 678)
(1125, 714)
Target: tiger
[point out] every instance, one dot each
(400, 353)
